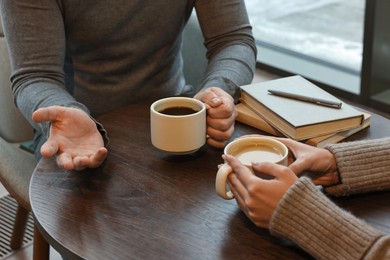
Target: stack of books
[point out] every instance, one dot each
(308, 113)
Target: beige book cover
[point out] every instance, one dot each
(247, 116)
(322, 141)
(297, 119)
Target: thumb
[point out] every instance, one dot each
(45, 114)
(49, 148)
(210, 98)
(297, 166)
(214, 101)
(268, 169)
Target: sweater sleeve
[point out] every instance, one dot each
(231, 48)
(37, 52)
(364, 166)
(307, 217)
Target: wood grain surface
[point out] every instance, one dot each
(145, 204)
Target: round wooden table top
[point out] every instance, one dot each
(144, 204)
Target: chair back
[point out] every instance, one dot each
(13, 126)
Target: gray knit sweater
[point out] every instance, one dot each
(100, 55)
(306, 216)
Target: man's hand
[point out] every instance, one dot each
(221, 114)
(74, 138)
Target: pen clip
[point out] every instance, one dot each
(328, 104)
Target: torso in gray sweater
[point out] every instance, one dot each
(118, 52)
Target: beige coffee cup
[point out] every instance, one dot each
(178, 124)
(248, 149)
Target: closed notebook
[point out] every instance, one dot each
(247, 116)
(297, 119)
(323, 140)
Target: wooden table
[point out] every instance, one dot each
(144, 204)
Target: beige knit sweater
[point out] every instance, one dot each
(307, 217)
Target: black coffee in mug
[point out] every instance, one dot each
(178, 111)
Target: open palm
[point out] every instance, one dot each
(74, 138)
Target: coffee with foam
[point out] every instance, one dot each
(257, 153)
(249, 149)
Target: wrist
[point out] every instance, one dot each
(333, 170)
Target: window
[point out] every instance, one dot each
(321, 40)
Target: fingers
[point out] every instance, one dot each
(298, 166)
(218, 138)
(210, 97)
(292, 145)
(288, 142)
(225, 109)
(64, 160)
(239, 191)
(220, 121)
(219, 131)
(93, 161)
(79, 163)
(277, 171)
(219, 103)
(46, 114)
(259, 197)
(240, 176)
(49, 148)
(244, 175)
(97, 159)
(221, 115)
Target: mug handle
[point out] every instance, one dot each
(221, 180)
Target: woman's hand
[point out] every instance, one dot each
(258, 197)
(320, 163)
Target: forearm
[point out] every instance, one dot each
(363, 166)
(231, 48)
(232, 67)
(37, 52)
(307, 217)
(33, 96)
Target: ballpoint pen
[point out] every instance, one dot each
(318, 101)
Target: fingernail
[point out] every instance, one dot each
(215, 101)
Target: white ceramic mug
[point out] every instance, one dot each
(178, 124)
(248, 149)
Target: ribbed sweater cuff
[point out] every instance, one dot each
(307, 217)
(363, 166)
